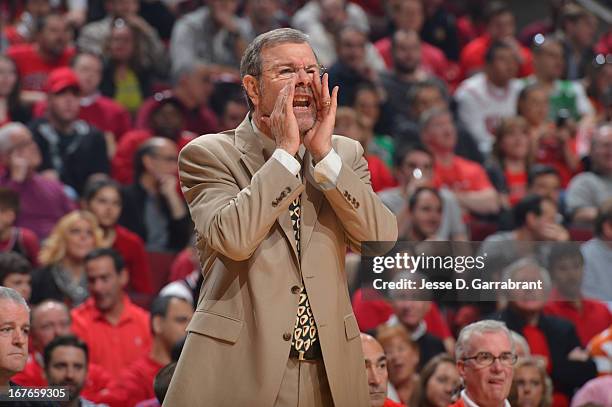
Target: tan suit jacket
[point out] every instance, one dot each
(239, 338)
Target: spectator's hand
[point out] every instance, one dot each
(554, 232)
(318, 139)
(168, 186)
(111, 144)
(282, 122)
(19, 167)
(50, 174)
(226, 20)
(578, 355)
(140, 24)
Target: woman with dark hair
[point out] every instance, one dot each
(125, 78)
(102, 197)
(511, 160)
(440, 382)
(11, 107)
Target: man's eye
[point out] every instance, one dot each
(286, 71)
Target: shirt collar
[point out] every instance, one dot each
(469, 403)
(89, 100)
(126, 314)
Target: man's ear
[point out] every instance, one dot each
(124, 277)
(251, 86)
(156, 324)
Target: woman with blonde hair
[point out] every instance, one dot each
(531, 386)
(402, 361)
(62, 274)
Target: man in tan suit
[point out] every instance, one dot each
(275, 204)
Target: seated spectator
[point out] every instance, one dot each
(378, 376)
(21, 157)
(23, 29)
(14, 318)
(535, 219)
(487, 97)
(414, 169)
(407, 16)
(594, 393)
(500, 26)
(598, 85)
(66, 364)
(165, 121)
(192, 88)
(511, 160)
(554, 143)
(125, 78)
(419, 98)
(402, 354)
(322, 21)
(12, 107)
(367, 106)
(589, 316)
(597, 254)
(440, 29)
(212, 34)
(351, 68)
(94, 36)
(71, 149)
(347, 124)
(102, 197)
(62, 258)
(117, 332)
(600, 350)
(467, 179)
(169, 319)
(97, 110)
(229, 104)
(479, 346)
(590, 189)
(153, 208)
(531, 386)
(553, 338)
(51, 319)
(544, 180)
(16, 273)
(51, 50)
(13, 238)
(439, 382)
(423, 215)
(568, 95)
(578, 29)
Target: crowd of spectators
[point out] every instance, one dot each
(474, 129)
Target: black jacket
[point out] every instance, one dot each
(133, 218)
(561, 339)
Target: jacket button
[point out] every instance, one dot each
(287, 336)
(295, 289)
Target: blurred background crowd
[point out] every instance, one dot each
(480, 120)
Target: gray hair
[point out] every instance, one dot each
(519, 341)
(5, 135)
(428, 115)
(9, 294)
(478, 328)
(523, 263)
(251, 64)
(186, 69)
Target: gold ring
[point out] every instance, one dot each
(327, 103)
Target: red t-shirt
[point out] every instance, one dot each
(593, 318)
(114, 347)
(182, 265)
(538, 344)
(122, 167)
(24, 242)
(381, 177)
(517, 185)
(134, 384)
(103, 113)
(391, 403)
(473, 57)
(461, 175)
(96, 384)
(550, 151)
(132, 249)
(33, 69)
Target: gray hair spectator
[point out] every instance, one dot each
(14, 331)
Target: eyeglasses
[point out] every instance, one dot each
(286, 72)
(485, 359)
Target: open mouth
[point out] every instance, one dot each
(301, 102)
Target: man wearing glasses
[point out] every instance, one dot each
(485, 358)
(275, 203)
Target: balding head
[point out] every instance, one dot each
(376, 368)
(49, 319)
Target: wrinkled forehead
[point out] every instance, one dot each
(293, 54)
(494, 342)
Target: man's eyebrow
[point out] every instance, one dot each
(383, 358)
(291, 65)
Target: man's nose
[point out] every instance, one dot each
(303, 77)
(374, 377)
(20, 338)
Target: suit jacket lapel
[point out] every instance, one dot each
(312, 198)
(255, 152)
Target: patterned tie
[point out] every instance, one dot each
(304, 343)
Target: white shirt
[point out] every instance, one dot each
(469, 403)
